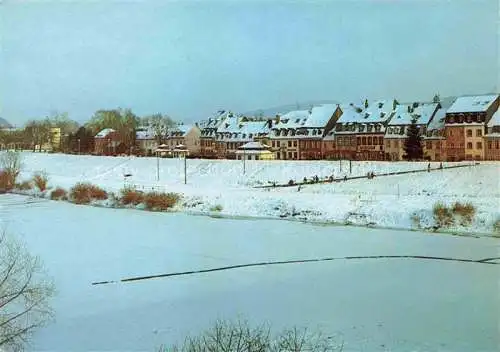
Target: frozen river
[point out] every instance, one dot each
(370, 304)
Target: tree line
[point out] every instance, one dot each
(78, 138)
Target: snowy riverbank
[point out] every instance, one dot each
(402, 201)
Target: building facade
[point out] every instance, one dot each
(492, 138)
(465, 126)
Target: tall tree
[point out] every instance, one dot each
(124, 121)
(159, 124)
(413, 143)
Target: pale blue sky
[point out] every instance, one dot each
(190, 58)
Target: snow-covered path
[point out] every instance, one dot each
(381, 305)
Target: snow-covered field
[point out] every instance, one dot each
(371, 305)
(383, 201)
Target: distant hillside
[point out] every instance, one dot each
(4, 123)
(286, 108)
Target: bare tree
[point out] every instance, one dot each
(10, 167)
(240, 337)
(160, 125)
(25, 291)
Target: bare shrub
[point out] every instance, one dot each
(84, 193)
(416, 220)
(25, 292)
(131, 196)
(40, 179)
(10, 167)
(466, 211)
(160, 201)
(59, 194)
(217, 208)
(240, 337)
(442, 215)
(496, 227)
(24, 186)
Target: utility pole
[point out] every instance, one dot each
(244, 157)
(157, 166)
(350, 166)
(340, 164)
(185, 169)
(78, 146)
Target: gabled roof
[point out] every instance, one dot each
(495, 119)
(350, 113)
(320, 115)
(104, 133)
(476, 103)
(254, 146)
(437, 123)
(423, 113)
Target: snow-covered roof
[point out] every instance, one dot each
(144, 135)
(104, 133)
(495, 119)
(423, 114)
(476, 103)
(293, 119)
(350, 113)
(253, 146)
(437, 123)
(320, 115)
(180, 130)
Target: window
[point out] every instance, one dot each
(289, 143)
(497, 145)
(469, 145)
(438, 145)
(479, 133)
(479, 145)
(388, 144)
(428, 145)
(450, 133)
(469, 133)
(294, 143)
(295, 155)
(272, 144)
(381, 140)
(452, 145)
(370, 141)
(363, 140)
(359, 140)
(290, 155)
(489, 144)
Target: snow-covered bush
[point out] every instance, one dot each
(84, 193)
(442, 215)
(466, 211)
(132, 196)
(160, 201)
(24, 186)
(59, 194)
(40, 179)
(215, 208)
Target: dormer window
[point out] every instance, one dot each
(377, 128)
(370, 128)
(361, 128)
(250, 135)
(292, 132)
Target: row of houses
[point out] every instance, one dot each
(468, 128)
